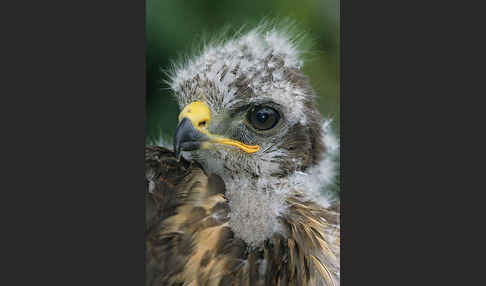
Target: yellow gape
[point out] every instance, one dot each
(200, 116)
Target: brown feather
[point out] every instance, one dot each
(189, 241)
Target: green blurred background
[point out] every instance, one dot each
(174, 25)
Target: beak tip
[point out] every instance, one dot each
(177, 150)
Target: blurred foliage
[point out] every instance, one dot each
(174, 25)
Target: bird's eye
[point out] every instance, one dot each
(263, 118)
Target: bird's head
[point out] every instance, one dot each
(247, 108)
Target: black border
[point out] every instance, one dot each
(73, 110)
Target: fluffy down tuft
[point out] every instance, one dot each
(258, 62)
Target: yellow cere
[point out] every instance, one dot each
(198, 113)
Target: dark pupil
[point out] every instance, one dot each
(264, 118)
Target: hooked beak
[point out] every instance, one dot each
(187, 137)
(192, 131)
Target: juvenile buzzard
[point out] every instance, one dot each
(239, 199)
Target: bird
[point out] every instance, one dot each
(241, 194)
